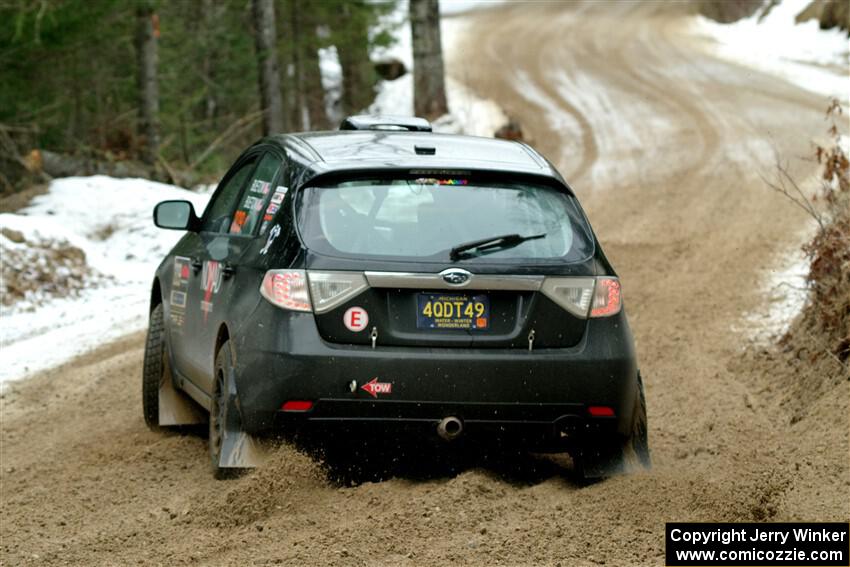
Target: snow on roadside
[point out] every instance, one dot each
(785, 290)
(110, 220)
(468, 113)
(784, 284)
(457, 7)
(814, 59)
(331, 71)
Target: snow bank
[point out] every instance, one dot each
(785, 289)
(110, 221)
(455, 7)
(331, 71)
(814, 59)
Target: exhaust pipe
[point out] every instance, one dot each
(449, 428)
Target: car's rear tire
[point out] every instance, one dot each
(219, 408)
(597, 460)
(639, 441)
(154, 371)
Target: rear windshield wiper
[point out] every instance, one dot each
(492, 244)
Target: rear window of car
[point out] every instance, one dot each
(424, 218)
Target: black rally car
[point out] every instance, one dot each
(383, 276)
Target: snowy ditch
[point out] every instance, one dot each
(110, 222)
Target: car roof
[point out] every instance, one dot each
(351, 150)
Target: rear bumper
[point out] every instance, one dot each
(501, 391)
(542, 427)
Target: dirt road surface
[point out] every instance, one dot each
(664, 145)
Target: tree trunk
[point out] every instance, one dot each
(314, 91)
(266, 44)
(310, 107)
(298, 117)
(358, 75)
(207, 18)
(429, 92)
(147, 32)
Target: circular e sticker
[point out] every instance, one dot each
(356, 319)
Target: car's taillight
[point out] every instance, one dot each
(287, 289)
(573, 294)
(607, 299)
(332, 289)
(585, 297)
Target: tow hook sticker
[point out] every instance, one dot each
(374, 387)
(273, 233)
(356, 319)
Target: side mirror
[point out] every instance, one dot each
(176, 215)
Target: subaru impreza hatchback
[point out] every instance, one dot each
(386, 277)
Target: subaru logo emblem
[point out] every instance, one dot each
(456, 276)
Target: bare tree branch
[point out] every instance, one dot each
(241, 124)
(795, 194)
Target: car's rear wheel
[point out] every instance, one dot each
(219, 408)
(601, 459)
(155, 366)
(639, 441)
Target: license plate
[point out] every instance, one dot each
(446, 311)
